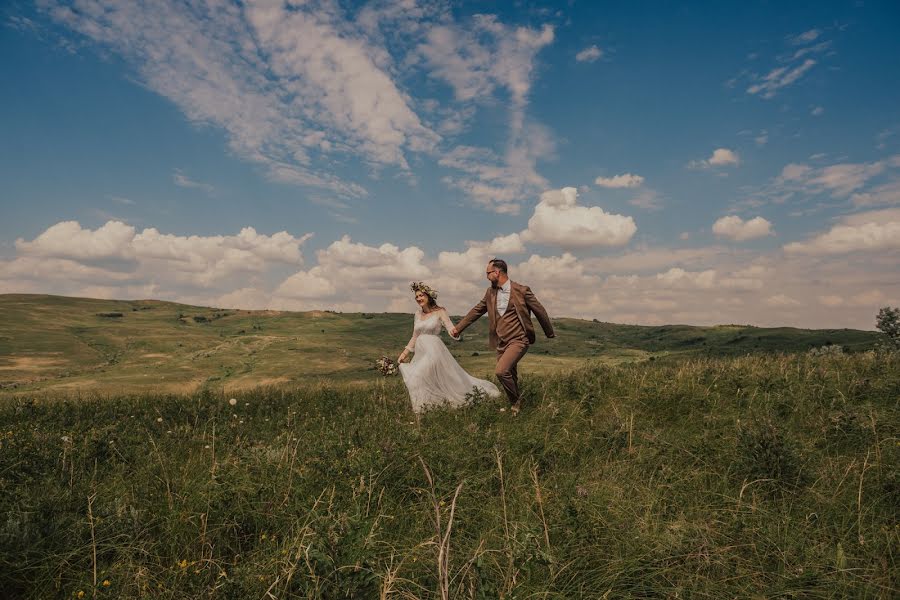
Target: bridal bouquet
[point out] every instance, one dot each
(386, 366)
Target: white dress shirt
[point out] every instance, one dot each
(503, 297)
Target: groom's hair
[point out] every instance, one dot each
(499, 264)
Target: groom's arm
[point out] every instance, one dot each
(540, 312)
(474, 314)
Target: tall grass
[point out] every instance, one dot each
(758, 476)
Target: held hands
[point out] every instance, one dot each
(454, 332)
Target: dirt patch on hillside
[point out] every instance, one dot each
(154, 355)
(31, 363)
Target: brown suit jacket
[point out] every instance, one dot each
(523, 300)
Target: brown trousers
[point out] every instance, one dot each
(508, 358)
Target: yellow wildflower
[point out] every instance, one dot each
(106, 583)
(81, 593)
(183, 563)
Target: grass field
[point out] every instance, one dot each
(761, 476)
(58, 345)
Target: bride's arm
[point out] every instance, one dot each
(410, 346)
(448, 324)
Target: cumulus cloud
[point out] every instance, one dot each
(355, 263)
(735, 228)
(306, 284)
(589, 54)
(626, 180)
(865, 232)
(189, 260)
(68, 239)
(721, 157)
(558, 220)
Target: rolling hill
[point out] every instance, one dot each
(71, 345)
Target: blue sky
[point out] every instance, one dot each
(634, 162)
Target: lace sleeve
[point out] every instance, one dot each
(448, 324)
(411, 345)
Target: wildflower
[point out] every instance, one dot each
(81, 593)
(246, 404)
(159, 419)
(183, 564)
(66, 439)
(233, 401)
(206, 446)
(106, 583)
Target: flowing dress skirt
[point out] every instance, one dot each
(434, 378)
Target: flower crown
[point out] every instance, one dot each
(418, 286)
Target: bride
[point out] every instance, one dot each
(433, 377)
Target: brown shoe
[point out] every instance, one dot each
(515, 407)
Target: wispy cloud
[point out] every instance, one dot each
(182, 180)
(589, 54)
(286, 84)
(792, 65)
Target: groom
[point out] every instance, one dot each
(508, 305)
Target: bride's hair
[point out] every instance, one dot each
(420, 286)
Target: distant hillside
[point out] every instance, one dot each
(62, 344)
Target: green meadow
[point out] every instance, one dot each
(649, 462)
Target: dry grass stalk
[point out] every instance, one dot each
(443, 535)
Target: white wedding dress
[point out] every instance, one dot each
(433, 377)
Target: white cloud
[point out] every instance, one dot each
(184, 181)
(805, 38)
(187, 260)
(306, 284)
(840, 180)
(866, 232)
(589, 54)
(735, 228)
(793, 64)
(626, 180)
(498, 183)
(349, 264)
(477, 59)
(559, 221)
(67, 239)
(721, 157)
(780, 77)
(469, 265)
(882, 195)
(285, 83)
(818, 111)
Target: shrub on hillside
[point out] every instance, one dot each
(888, 322)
